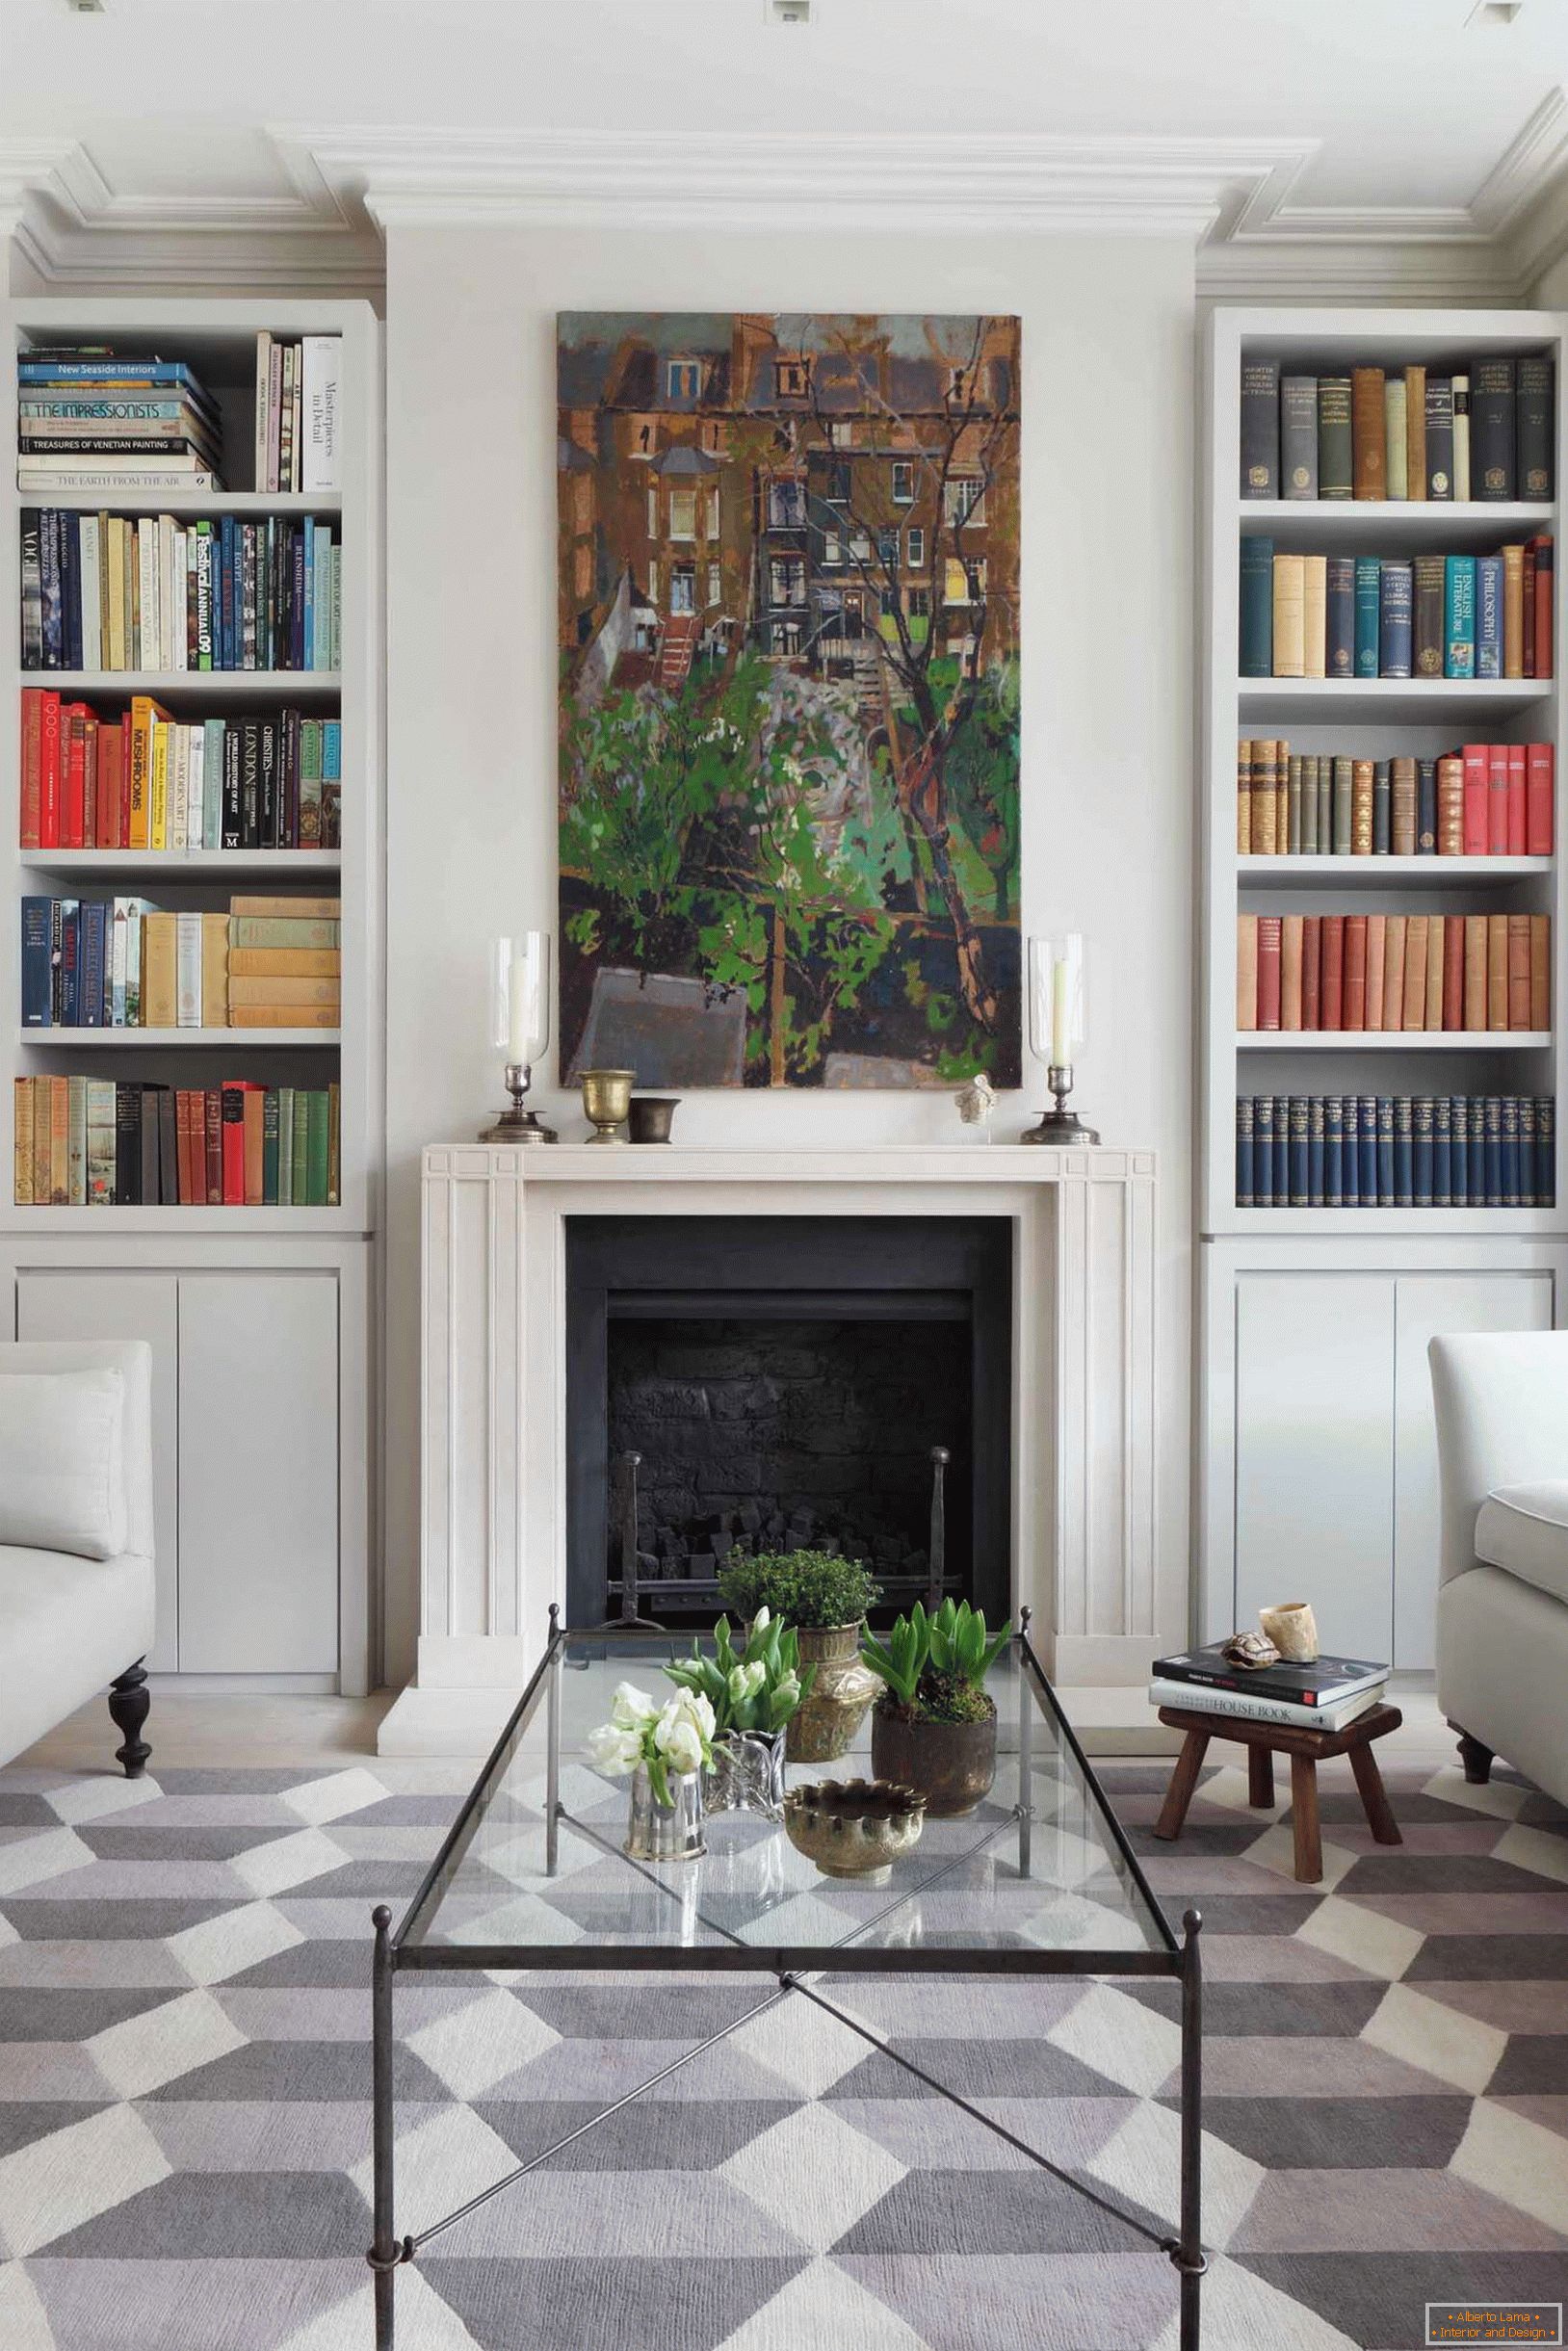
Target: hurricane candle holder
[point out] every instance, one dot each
(520, 1027)
(1055, 1027)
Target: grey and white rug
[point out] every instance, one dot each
(184, 2118)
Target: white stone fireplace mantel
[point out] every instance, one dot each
(1086, 1501)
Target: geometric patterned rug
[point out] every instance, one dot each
(185, 2127)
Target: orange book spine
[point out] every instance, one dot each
(1244, 799)
(1497, 971)
(1290, 972)
(1331, 986)
(1453, 971)
(1513, 612)
(1474, 971)
(1434, 971)
(1415, 972)
(1369, 433)
(1450, 807)
(1312, 970)
(1393, 972)
(1269, 971)
(1353, 999)
(1540, 972)
(1376, 943)
(1246, 971)
(1362, 774)
(1519, 971)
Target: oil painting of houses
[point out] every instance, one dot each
(789, 634)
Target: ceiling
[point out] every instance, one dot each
(1338, 122)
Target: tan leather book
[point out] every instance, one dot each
(1415, 929)
(22, 1140)
(272, 989)
(321, 909)
(1519, 971)
(1393, 972)
(1282, 795)
(215, 971)
(159, 965)
(1401, 812)
(40, 1142)
(1497, 971)
(1244, 826)
(59, 1142)
(1540, 972)
(1434, 971)
(1353, 993)
(1451, 807)
(314, 962)
(1246, 971)
(1290, 972)
(1474, 971)
(1369, 446)
(282, 1016)
(1315, 616)
(1312, 970)
(1415, 431)
(1453, 971)
(1363, 775)
(1265, 811)
(1290, 618)
(1376, 949)
(1513, 612)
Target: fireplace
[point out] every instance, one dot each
(764, 1383)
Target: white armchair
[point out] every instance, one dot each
(1503, 1596)
(76, 1539)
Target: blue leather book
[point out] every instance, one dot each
(1546, 1152)
(1340, 642)
(1385, 1151)
(1370, 1152)
(1489, 615)
(93, 962)
(1297, 1150)
(1425, 809)
(1263, 1150)
(1527, 1151)
(1334, 1151)
(1244, 1152)
(1420, 1152)
(1460, 615)
(1352, 1150)
(1492, 1148)
(38, 981)
(1257, 612)
(1509, 1119)
(1282, 1151)
(1405, 1158)
(1368, 595)
(1315, 1150)
(70, 588)
(71, 963)
(1396, 598)
(1459, 1150)
(1441, 1152)
(1475, 1120)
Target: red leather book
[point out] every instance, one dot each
(1538, 799)
(89, 781)
(1497, 799)
(213, 1124)
(1543, 601)
(1518, 830)
(1269, 970)
(1519, 971)
(1453, 971)
(1312, 965)
(73, 773)
(1353, 998)
(233, 1122)
(1377, 949)
(50, 774)
(1476, 780)
(1331, 986)
(32, 786)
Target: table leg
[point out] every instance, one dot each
(1260, 1777)
(1026, 1760)
(1373, 1794)
(1182, 1781)
(1309, 1844)
(1187, 2252)
(552, 1759)
(383, 2254)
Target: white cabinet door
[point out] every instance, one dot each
(258, 1401)
(1427, 1306)
(1314, 1451)
(92, 1303)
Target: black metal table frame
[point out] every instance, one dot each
(789, 1966)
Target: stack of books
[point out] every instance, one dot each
(1392, 617)
(1325, 1696)
(89, 419)
(1476, 973)
(298, 398)
(285, 963)
(91, 1142)
(1483, 800)
(1396, 1151)
(1486, 433)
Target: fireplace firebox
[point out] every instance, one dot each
(770, 1383)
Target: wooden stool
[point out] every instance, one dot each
(1306, 1749)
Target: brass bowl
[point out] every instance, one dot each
(607, 1099)
(855, 1828)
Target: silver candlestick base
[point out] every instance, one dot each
(518, 1124)
(1059, 1126)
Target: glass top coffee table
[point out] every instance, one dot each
(1040, 1880)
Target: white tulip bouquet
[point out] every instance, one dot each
(675, 1737)
(757, 1688)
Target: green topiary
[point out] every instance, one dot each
(809, 1588)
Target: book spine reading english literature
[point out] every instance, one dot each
(1465, 1151)
(233, 1145)
(1485, 431)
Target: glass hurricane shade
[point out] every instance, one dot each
(1055, 998)
(520, 995)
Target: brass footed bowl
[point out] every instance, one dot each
(855, 1828)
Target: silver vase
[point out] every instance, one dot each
(747, 1773)
(666, 1832)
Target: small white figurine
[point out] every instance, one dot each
(976, 1102)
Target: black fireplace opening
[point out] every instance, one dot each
(744, 1384)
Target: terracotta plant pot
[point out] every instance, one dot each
(951, 1763)
(825, 1724)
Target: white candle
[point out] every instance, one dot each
(1060, 981)
(518, 1040)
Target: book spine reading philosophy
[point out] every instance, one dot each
(232, 1145)
(1462, 1151)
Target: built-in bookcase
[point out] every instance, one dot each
(1375, 718)
(217, 338)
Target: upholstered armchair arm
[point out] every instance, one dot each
(1502, 1402)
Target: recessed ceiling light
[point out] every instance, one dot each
(86, 7)
(1493, 12)
(787, 11)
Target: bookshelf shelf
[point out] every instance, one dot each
(188, 502)
(224, 1041)
(191, 685)
(1335, 701)
(1393, 1040)
(1372, 873)
(181, 865)
(1393, 519)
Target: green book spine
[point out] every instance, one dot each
(282, 930)
(316, 1150)
(270, 1193)
(300, 1154)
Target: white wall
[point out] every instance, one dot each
(1107, 741)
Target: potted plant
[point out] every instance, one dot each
(754, 1694)
(934, 1724)
(825, 1600)
(666, 1749)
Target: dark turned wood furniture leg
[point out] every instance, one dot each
(1373, 1795)
(1309, 1844)
(1182, 1781)
(128, 1703)
(1260, 1777)
(1476, 1759)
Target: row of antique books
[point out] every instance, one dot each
(90, 418)
(1408, 972)
(1486, 799)
(1396, 1151)
(1321, 1696)
(93, 1143)
(153, 592)
(143, 780)
(1486, 432)
(1391, 617)
(123, 963)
